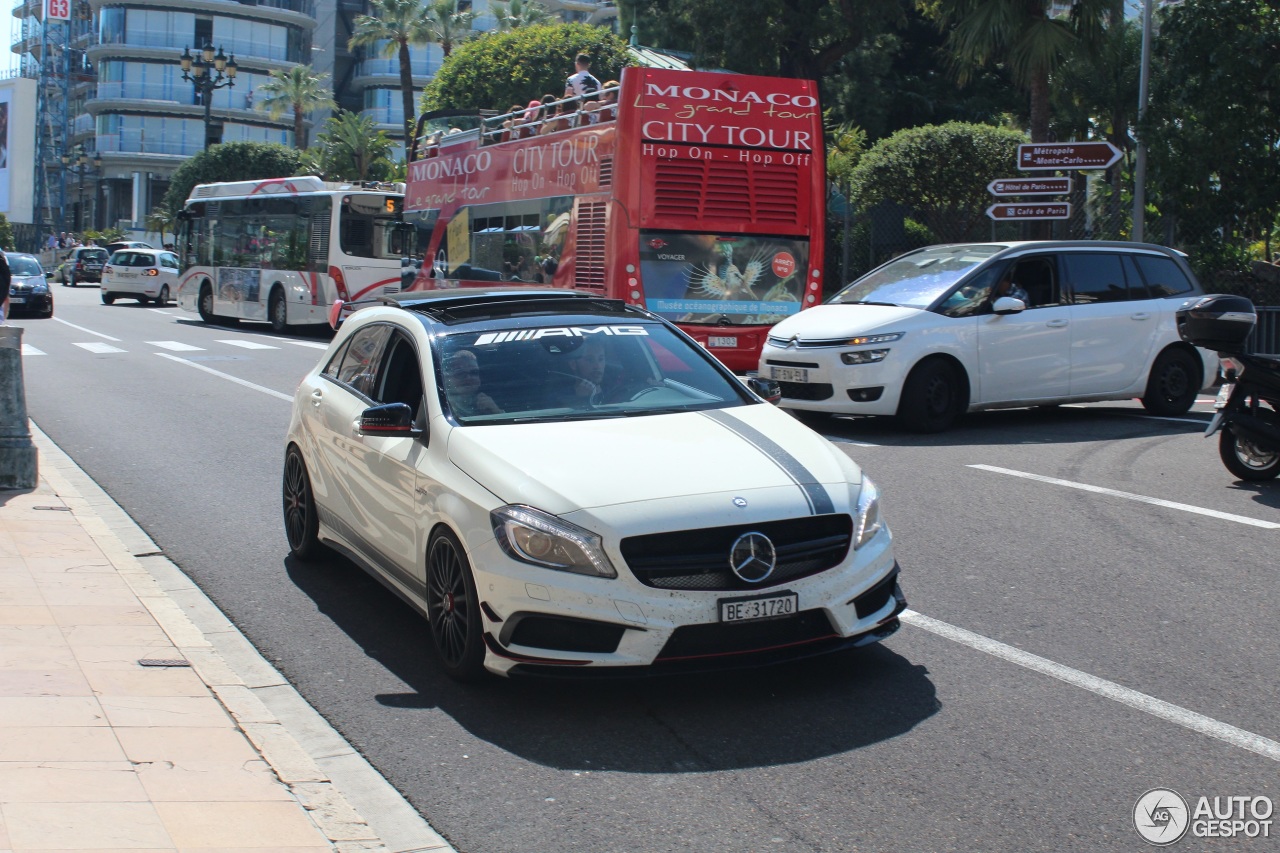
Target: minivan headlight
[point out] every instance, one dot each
(541, 539)
(885, 338)
(868, 523)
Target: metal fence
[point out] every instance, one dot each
(1265, 338)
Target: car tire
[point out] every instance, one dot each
(205, 305)
(108, 298)
(301, 523)
(1173, 384)
(47, 314)
(932, 397)
(163, 299)
(278, 312)
(1243, 459)
(453, 609)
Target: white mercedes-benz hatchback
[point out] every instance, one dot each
(949, 329)
(563, 483)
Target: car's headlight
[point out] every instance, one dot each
(886, 338)
(868, 523)
(40, 287)
(541, 539)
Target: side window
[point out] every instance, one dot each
(1163, 276)
(971, 297)
(400, 380)
(1038, 276)
(331, 369)
(360, 362)
(1137, 288)
(1096, 277)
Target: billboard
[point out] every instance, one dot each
(17, 148)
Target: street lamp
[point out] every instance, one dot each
(207, 72)
(83, 168)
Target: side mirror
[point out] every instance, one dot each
(393, 419)
(1008, 305)
(767, 389)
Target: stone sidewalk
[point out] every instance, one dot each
(123, 727)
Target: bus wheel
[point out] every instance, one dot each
(205, 305)
(278, 312)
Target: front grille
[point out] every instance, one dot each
(699, 559)
(736, 638)
(807, 390)
(784, 343)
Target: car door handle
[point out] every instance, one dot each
(317, 397)
(1141, 315)
(1057, 324)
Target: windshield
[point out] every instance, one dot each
(367, 228)
(915, 280)
(23, 266)
(524, 373)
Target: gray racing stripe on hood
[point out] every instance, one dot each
(817, 497)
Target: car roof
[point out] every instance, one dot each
(452, 306)
(26, 255)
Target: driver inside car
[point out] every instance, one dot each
(588, 380)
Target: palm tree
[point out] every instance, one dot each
(352, 147)
(162, 221)
(520, 13)
(1022, 35)
(299, 89)
(448, 25)
(398, 23)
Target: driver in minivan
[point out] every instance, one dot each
(1008, 287)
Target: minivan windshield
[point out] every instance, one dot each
(582, 370)
(915, 280)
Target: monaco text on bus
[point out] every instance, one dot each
(697, 195)
(283, 250)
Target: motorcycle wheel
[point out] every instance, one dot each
(1244, 458)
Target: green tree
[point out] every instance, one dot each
(396, 25)
(162, 221)
(230, 161)
(786, 38)
(940, 172)
(299, 89)
(353, 149)
(1213, 125)
(6, 234)
(1022, 35)
(448, 25)
(520, 13)
(513, 67)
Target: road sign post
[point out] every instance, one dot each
(1029, 212)
(1067, 155)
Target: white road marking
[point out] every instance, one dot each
(28, 349)
(1099, 490)
(1138, 414)
(1176, 714)
(311, 344)
(288, 398)
(165, 313)
(247, 344)
(83, 329)
(176, 346)
(838, 440)
(100, 348)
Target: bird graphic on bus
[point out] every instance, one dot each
(729, 282)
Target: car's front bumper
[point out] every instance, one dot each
(835, 387)
(32, 303)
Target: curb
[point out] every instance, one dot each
(349, 801)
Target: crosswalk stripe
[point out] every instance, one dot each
(100, 349)
(176, 346)
(247, 344)
(28, 349)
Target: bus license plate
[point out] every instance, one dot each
(790, 374)
(759, 607)
(726, 342)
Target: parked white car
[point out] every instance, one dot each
(949, 329)
(563, 483)
(147, 275)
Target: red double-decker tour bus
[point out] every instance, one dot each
(697, 195)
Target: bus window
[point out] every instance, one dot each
(515, 241)
(367, 228)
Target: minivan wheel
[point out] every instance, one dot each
(932, 398)
(1173, 384)
(453, 609)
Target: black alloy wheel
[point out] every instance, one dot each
(453, 609)
(301, 524)
(932, 398)
(1173, 384)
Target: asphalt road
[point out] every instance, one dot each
(931, 741)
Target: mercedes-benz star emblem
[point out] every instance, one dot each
(752, 557)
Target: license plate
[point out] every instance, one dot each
(789, 374)
(1224, 394)
(17, 300)
(714, 341)
(758, 607)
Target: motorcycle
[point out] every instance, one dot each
(1247, 410)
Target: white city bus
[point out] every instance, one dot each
(283, 250)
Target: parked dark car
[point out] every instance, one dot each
(84, 263)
